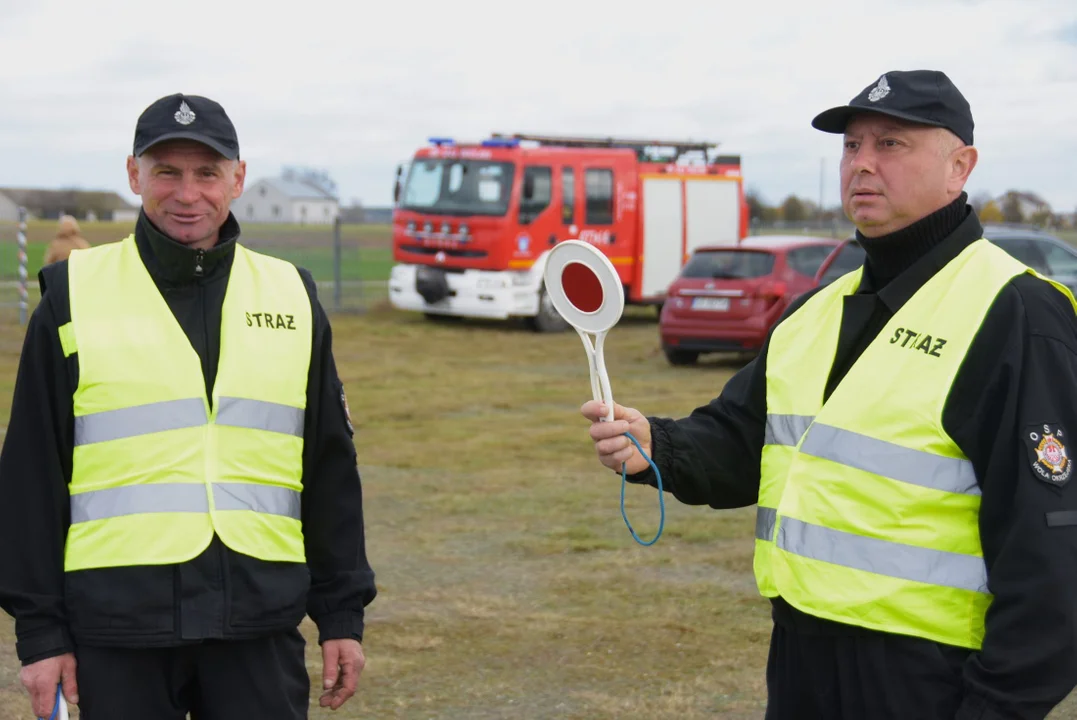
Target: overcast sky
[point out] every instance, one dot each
(356, 87)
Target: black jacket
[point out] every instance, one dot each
(221, 593)
(1019, 375)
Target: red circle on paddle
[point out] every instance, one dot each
(582, 287)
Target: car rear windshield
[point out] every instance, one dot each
(729, 264)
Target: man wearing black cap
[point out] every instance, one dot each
(178, 482)
(905, 435)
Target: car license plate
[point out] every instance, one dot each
(710, 303)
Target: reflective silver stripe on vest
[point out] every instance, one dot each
(138, 499)
(260, 415)
(889, 460)
(186, 413)
(764, 523)
(182, 497)
(934, 567)
(267, 499)
(139, 420)
(786, 429)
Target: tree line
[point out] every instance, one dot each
(1013, 206)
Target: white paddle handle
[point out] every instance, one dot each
(59, 710)
(600, 379)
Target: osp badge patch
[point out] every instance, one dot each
(347, 411)
(1048, 454)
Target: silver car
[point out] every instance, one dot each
(1041, 251)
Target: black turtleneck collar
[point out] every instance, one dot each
(890, 255)
(896, 292)
(177, 264)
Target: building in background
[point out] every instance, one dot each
(1025, 204)
(9, 210)
(286, 200)
(88, 205)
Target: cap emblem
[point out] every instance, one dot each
(879, 91)
(184, 116)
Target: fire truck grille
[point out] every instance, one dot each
(449, 252)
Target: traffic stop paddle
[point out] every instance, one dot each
(585, 289)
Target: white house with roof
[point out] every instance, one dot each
(9, 209)
(285, 200)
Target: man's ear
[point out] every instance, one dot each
(962, 163)
(132, 175)
(240, 178)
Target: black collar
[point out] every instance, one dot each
(898, 291)
(174, 263)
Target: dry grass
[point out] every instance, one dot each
(509, 586)
(98, 232)
(366, 252)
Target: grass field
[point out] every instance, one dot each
(365, 249)
(366, 253)
(509, 585)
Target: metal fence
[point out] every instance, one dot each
(349, 262)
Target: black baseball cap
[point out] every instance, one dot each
(190, 117)
(922, 96)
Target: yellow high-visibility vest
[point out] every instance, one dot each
(157, 468)
(868, 511)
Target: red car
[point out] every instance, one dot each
(727, 298)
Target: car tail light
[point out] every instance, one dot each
(772, 289)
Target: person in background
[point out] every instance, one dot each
(68, 238)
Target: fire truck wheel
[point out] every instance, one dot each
(680, 357)
(548, 319)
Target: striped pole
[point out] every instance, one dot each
(22, 266)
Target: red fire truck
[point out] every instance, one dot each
(473, 223)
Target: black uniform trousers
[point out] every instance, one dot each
(265, 678)
(862, 676)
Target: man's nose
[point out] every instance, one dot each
(188, 190)
(863, 160)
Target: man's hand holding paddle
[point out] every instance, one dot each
(610, 442)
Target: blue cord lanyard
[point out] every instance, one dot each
(600, 390)
(661, 496)
(55, 706)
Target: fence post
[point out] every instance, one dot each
(336, 263)
(23, 305)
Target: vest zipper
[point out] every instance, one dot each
(198, 263)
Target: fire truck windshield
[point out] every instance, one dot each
(451, 186)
